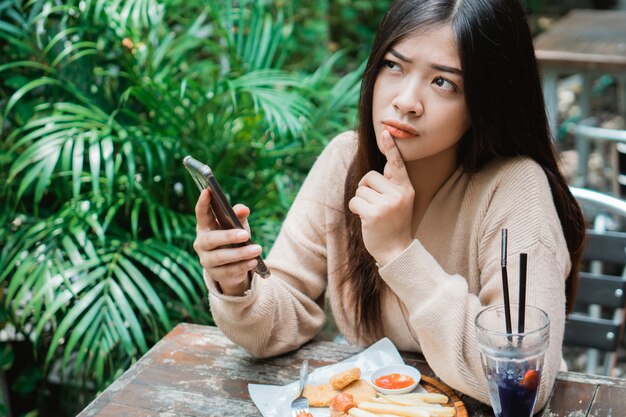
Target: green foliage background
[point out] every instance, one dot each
(99, 102)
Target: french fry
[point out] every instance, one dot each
(401, 399)
(421, 410)
(439, 411)
(435, 410)
(357, 412)
(429, 397)
(398, 410)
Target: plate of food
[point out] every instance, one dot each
(349, 389)
(348, 395)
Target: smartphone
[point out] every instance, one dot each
(221, 208)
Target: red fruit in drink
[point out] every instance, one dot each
(530, 380)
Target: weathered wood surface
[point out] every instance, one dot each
(196, 371)
(588, 40)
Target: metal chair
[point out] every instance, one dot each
(612, 143)
(598, 319)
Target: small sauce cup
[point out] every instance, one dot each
(395, 379)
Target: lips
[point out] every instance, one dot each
(400, 130)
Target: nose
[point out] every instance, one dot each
(408, 102)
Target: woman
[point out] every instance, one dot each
(398, 224)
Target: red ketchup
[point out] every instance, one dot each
(394, 381)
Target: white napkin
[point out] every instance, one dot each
(275, 400)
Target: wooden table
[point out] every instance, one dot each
(589, 42)
(196, 371)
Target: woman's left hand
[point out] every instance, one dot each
(385, 205)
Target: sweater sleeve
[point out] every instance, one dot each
(441, 306)
(281, 313)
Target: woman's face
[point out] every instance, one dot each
(419, 96)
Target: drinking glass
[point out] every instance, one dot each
(512, 361)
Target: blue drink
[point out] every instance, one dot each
(512, 361)
(515, 395)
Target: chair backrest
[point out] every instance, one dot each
(620, 150)
(602, 278)
(602, 289)
(593, 202)
(586, 134)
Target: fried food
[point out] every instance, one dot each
(340, 404)
(319, 395)
(340, 380)
(361, 391)
(304, 414)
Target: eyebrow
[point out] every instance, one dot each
(439, 67)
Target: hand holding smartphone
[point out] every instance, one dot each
(221, 208)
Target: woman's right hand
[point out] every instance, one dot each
(228, 266)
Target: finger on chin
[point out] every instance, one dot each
(392, 153)
(394, 168)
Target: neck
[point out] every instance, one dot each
(427, 177)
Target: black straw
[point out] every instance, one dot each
(523, 260)
(505, 285)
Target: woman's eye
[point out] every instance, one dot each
(390, 65)
(445, 84)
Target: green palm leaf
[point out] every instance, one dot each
(83, 332)
(9, 29)
(182, 266)
(25, 65)
(75, 51)
(45, 176)
(39, 83)
(101, 99)
(53, 137)
(120, 325)
(269, 90)
(129, 320)
(165, 275)
(141, 304)
(253, 36)
(130, 270)
(94, 160)
(61, 298)
(90, 299)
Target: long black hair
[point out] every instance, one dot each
(506, 106)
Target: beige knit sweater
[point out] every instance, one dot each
(439, 283)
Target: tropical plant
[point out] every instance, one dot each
(100, 101)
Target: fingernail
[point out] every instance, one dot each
(252, 263)
(254, 249)
(242, 234)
